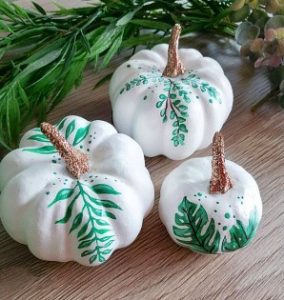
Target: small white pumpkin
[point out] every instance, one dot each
(64, 218)
(218, 218)
(172, 112)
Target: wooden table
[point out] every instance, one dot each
(153, 267)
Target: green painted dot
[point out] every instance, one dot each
(242, 202)
(194, 195)
(219, 223)
(197, 97)
(227, 215)
(238, 197)
(81, 146)
(210, 100)
(234, 217)
(145, 97)
(53, 161)
(217, 202)
(88, 150)
(47, 193)
(242, 197)
(215, 210)
(199, 194)
(225, 228)
(128, 66)
(54, 173)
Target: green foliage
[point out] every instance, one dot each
(94, 233)
(240, 236)
(190, 220)
(193, 229)
(173, 102)
(79, 134)
(44, 54)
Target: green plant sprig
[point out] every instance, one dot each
(43, 55)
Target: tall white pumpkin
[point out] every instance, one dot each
(170, 101)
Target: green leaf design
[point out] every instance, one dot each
(193, 229)
(48, 148)
(41, 150)
(39, 137)
(240, 235)
(173, 102)
(189, 229)
(81, 135)
(104, 189)
(70, 128)
(62, 195)
(94, 232)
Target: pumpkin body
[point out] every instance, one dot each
(209, 223)
(63, 219)
(172, 116)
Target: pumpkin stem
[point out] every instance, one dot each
(76, 161)
(220, 181)
(174, 65)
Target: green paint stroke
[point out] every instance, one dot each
(93, 230)
(193, 229)
(79, 136)
(173, 101)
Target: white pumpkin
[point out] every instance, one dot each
(221, 218)
(174, 112)
(64, 218)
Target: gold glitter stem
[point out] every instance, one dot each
(220, 181)
(76, 161)
(174, 65)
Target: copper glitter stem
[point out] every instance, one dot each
(174, 66)
(220, 181)
(76, 161)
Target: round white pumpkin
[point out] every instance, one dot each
(170, 115)
(206, 222)
(62, 218)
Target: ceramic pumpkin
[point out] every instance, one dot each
(170, 101)
(210, 216)
(75, 192)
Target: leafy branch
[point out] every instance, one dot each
(94, 234)
(173, 104)
(43, 55)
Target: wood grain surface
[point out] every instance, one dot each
(153, 267)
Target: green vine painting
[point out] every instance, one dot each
(79, 136)
(193, 229)
(91, 224)
(173, 101)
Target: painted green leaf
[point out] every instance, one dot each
(104, 189)
(70, 128)
(240, 236)
(81, 135)
(192, 230)
(92, 258)
(62, 195)
(88, 252)
(76, 222)
(83, 230)
(94, 212)
(106, 203)
(39, 138)
(67, 216)
(61, 124)
(41, 150)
